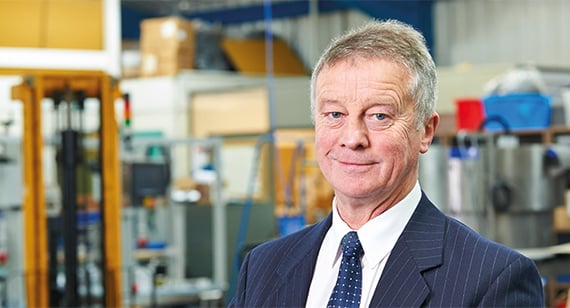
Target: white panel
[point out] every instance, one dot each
(112, 37)
(442, 28)
(506, 31)
(150, 94)
(46, 58)
(291, 105)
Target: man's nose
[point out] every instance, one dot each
(355, 134)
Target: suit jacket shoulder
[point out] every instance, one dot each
(438, 261)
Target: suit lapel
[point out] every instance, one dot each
(420, 247)
(296, 271)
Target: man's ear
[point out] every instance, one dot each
(429, 132)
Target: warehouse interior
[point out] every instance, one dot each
(147, 145)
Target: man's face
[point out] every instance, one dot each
(366, 137)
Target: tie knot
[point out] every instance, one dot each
(351, 245)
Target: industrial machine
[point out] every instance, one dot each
(503, 189)
(158, 187)
(78, 246)
(71, 257)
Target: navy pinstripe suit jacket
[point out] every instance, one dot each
(437, 261)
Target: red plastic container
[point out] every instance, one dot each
(469, 114)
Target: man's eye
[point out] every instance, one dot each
(380, 116)
(335, 114)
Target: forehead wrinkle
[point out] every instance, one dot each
(354, 86)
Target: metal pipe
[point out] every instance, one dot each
(69, 140)
(219, 222)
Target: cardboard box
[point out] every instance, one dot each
(167, 46)
(561, 220)
(165, 63)
(167, 32)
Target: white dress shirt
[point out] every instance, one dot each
(378, 236)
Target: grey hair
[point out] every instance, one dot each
(394, 41)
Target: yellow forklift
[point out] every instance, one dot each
(68, 90)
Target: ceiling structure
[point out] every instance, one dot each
(415, 12)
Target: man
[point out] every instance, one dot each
(373, 96)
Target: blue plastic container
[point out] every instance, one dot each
(518, 111)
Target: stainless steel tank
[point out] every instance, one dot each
(529, 181)
(507, 194)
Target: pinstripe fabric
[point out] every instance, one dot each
(437, 262)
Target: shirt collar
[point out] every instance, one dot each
(388, 227)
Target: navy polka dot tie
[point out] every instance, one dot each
(347, 291)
